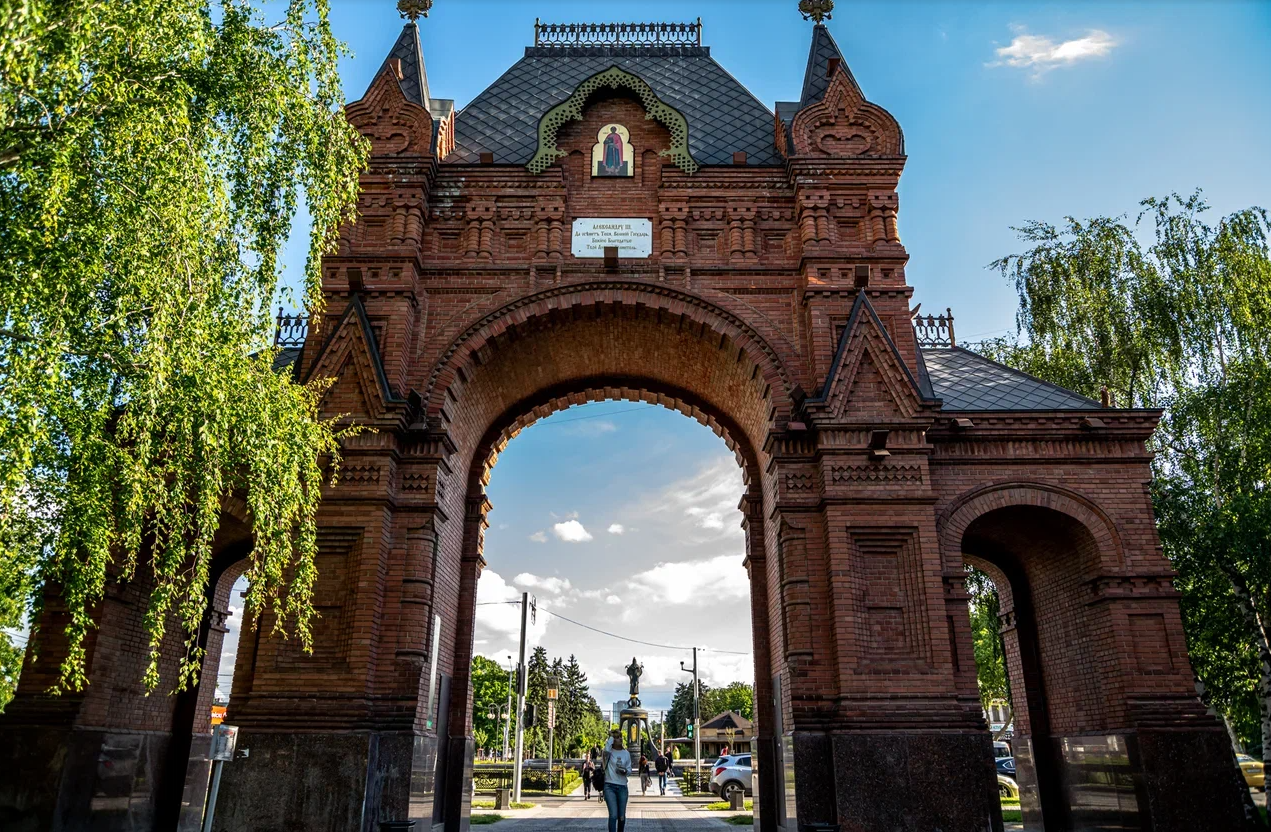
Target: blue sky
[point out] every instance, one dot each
(1011, 112)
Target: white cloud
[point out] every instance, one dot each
(613, 600)
(591, 427)
(500, 623)
(706, 518)
(719, 578)
(1042, 54)
(616, 528)
(707, 501)
(571, 531)
(539, 536)
(553, 585)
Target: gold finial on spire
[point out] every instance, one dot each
(412, 9)
(817, 10)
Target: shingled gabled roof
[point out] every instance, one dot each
(728, 719)
(723, 116)
(967, 381)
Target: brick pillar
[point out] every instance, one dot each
(884, 728)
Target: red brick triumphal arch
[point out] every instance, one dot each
(617, 217)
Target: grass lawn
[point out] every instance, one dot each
(485, 819)
(489, 804)
(741, 820)
(722, 806)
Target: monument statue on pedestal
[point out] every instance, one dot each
(634, 720)
(634, 671)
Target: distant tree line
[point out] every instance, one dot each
(580, 724)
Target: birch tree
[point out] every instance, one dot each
(152, 157)
(1171, 312)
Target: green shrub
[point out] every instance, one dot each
(722, 806)
(741, 820)
(1012, 815)
(485, 819)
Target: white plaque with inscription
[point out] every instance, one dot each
(633, 237)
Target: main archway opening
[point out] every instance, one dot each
(626, 343)
(620, 519)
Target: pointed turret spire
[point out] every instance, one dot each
(413, 79)
(823, 58)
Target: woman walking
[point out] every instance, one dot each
(589, 771)
(617, 770)
(646, 777)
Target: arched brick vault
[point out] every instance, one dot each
(952, 523)
(467, 346)
(586, 344)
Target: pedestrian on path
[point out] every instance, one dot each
(661, 764)
(617, 770)
(646, 777)
(589, 772)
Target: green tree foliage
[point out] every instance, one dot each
(681, 714)
(489, 694)
(1181, 321)
(580, 724)
(990, 652)
(152, 155)
(735, 696)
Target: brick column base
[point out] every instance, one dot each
(1182, 780)
(894, 780)
(102, 779)
(350, 780)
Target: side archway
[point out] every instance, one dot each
(952, 523)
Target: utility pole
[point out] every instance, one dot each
(507, 720)
(697, 718)
(520, 704)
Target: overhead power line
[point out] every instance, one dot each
(622, 638)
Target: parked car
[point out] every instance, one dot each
(1005, 765)
(732, 774)
(1252, 769)
(1007, 787)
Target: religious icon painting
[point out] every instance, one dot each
(611, 155)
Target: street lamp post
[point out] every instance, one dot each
(504, 713)
(553, 690)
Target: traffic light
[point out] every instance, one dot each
(690, 730)
(531, 716)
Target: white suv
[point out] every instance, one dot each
(731, 774)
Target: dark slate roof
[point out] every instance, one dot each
(968, 381)
(816, 79)
(728, 719)
(286, 359)
(723, 116)
(414, 82)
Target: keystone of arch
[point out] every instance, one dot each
(615, 78)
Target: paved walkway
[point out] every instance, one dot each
(644, 814)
